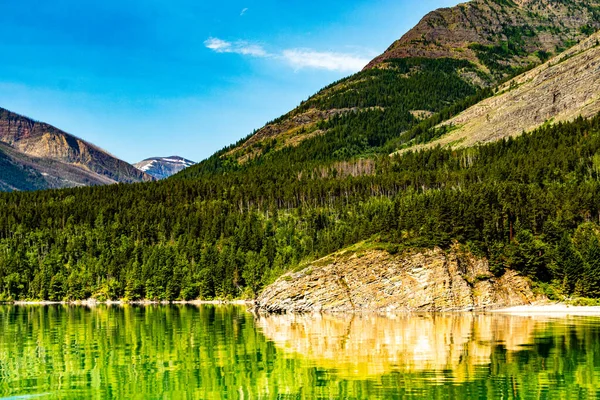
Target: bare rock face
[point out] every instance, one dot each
(533, 25)
(431, 280)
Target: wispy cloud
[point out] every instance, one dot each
(296, 58)
(306, 58)
(243, 12)
(218, 45)
(238, 47)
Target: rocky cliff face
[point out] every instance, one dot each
(44, 145)
(497, 33)
(19, 171)
(431, 280)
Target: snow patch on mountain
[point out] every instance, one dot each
(163, 167)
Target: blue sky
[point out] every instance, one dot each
(143, 78)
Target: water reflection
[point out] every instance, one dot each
(207, 352)
(449, 347)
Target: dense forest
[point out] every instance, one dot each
(530, 203)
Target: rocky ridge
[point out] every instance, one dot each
(502, 33)
(68, 160)
(375, 280)
(19, 172)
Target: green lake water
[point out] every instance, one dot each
(225, 352)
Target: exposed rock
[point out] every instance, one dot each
(564, 88)
(431, 280)
(19, 171)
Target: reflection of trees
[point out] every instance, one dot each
(217, 352)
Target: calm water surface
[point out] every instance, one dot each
(208, 352)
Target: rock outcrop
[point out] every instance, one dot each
(431, 280)
(19, 172)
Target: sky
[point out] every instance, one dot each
(146, 78)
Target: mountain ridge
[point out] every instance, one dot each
(560, 90)
(450, 55)
(473, 29)
(49, 145)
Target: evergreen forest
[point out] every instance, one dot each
(530, 203)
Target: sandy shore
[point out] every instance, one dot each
(550, 310)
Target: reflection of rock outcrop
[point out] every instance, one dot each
(447, 346)
(431, 280)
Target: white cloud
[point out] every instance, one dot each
(305, 58)
(297, 58)
(218, 45)
(239, 47)
(248, 49)
(243, 12)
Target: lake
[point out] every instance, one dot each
(225, 352)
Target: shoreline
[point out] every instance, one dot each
(92, 302)
(549, 310)
(529, 310)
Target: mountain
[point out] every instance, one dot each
(562, 89)
(22, 172)
(445, 64)
(314, 198)
(163, 167)
(497, 35)
(56, 158)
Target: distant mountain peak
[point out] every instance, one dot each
(163, 167)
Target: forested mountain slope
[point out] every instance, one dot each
(442, 65)
(530, 204)
(66, 160)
